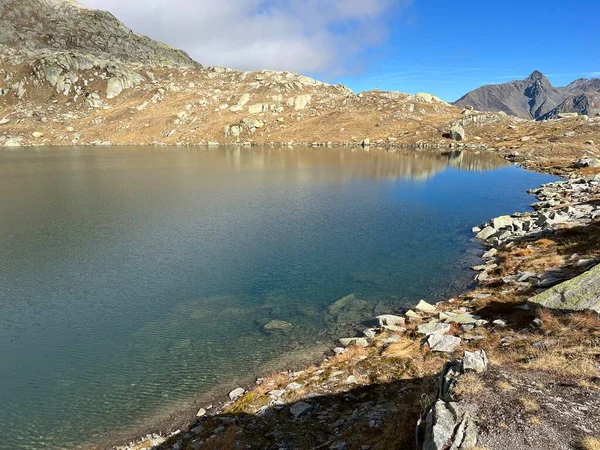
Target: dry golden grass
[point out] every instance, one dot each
(469, 383)
(405, 348)
(534, 420)
(550, 322)
(505, 386)
(584, 321)
(563, 364)
(529, 404)
(590, 443)
(352, 353)
(273, 382)
(545, 242)
(224, 441)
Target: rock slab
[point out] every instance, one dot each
(578, 294)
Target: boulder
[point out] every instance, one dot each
(457, 133)
(391, 320)
(425, 307)
(587, 161)
(12, 143)
(433, 328)
(300, 102)
(486, 233)
(578, 294)
(243, 100)
(300, 409)
(361, 342)
(475, 362)
(114, 87)
(236, 394)
(443, 343)
(502, 222)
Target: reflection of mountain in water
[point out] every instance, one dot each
(299, 165)
(357, 163)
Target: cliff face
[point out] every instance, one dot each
(532, 98)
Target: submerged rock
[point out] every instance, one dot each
(278, 325)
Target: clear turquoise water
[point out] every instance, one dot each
(132, 279)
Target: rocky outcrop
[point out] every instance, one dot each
(450, 423)
(29, 28)
(578, 294)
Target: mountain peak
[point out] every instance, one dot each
(536, 75)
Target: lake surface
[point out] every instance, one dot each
(133, 279)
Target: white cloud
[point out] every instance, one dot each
(314, 36)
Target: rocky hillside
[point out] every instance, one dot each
(35, 28)
(74, 76)
(536, 98)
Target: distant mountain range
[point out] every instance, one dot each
(536, 98)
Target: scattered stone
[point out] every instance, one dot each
(502, 222)
(486, 233)
(300, 409)
(370, 333)
(499, 323)
(586, 161)
(433, 328)
(463, 319)
(425, 307)
(386, 320)
(201, 412)
(475, 362)
(294, 386)
(361, 342)
(412, 315)
(236, 394)
(443, 343)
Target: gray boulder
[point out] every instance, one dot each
(443, 343)
(475, 362)
(300, 409)
(587, 161)
(433, 328)
(578, 294)
(457, 133)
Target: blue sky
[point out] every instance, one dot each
(440, 46)
(451, 47)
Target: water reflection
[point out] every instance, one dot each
(134, 278)
(344, 163)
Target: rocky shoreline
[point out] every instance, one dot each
(413, 345)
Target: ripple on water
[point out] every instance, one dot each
(132, 280)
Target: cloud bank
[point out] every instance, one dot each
(310, 36)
